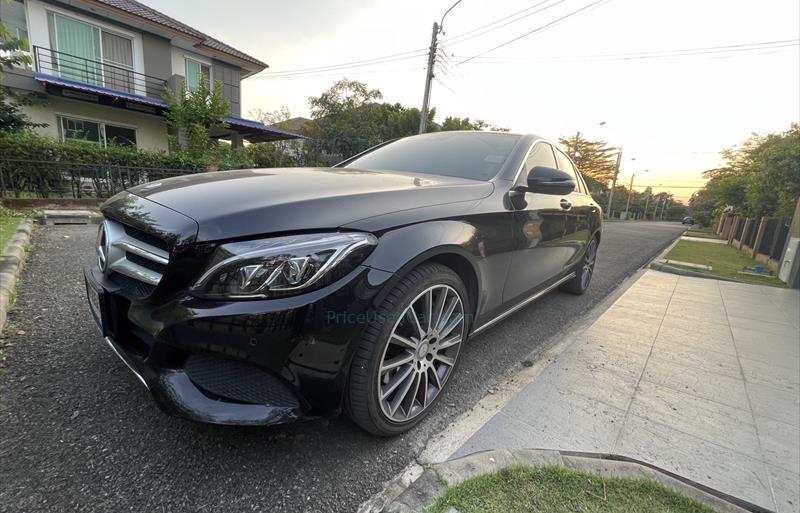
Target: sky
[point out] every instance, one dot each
(640, 74)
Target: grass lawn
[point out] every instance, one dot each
(705, 233)
(558, 490)
(8, 225)
(725, 261)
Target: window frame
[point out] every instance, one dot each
(101, 124)
(186, 60)
(101, 29)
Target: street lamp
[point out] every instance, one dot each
(630, 193)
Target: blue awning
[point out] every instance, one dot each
(95, 89)
(251, 130)
(255, 131)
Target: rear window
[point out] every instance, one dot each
(473, 155)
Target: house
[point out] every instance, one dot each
(104, 66)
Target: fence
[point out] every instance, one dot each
(70, 180)
(763, 238)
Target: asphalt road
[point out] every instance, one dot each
(79, 433)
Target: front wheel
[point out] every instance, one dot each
(408, 354)
(583, 271)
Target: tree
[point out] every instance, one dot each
(12, 118)
(594, 158)
(454, 123)
(760, 178)
(271, 117)
(193, 114)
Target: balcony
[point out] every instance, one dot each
(98, 77)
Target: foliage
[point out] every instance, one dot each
(11, 50)
(271, 118)
(12, 118)
(193, 114)
(454, 123)
(349, 118)
(594, 158)
(725, 261)
(560, 490)
(760, 178)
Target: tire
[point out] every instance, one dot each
(584, 271)
(384, 396)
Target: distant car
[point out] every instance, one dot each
(687, 220)
(265, 296)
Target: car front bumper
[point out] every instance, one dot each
(240, 362)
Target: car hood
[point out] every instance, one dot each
(245, 202)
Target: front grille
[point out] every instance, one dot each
(238, 381)
(136, 255)
(146, 237)
(131, 287)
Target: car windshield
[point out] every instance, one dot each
(473, 155)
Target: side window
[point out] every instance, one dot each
(566, 165)
(541, 155)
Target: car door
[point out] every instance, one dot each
(576, 222)
(538, 224)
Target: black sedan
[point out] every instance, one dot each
(266, 296)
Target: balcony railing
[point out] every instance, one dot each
(97, 73)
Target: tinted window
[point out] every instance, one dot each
(474, 155)
(541, 155)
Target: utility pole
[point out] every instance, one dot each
(646, 204)
(666, 202)
(423, 117)
(655, 209)
(630, 193)
(614, 182)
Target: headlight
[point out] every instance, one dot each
(282, 266)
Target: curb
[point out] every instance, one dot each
(436, 478)
(11, 261)
(665, 268)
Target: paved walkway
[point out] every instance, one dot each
(697, 376)
(704, 239)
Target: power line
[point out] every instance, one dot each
(364, 62)
(537, 29)
(685, 52)
(461, 37)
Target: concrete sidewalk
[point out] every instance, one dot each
(697, 376)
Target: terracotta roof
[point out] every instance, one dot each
(149, 14)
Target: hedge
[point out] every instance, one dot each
(31, 146)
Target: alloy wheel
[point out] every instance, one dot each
(421, 353)
(588, 264)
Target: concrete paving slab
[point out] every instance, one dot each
(699, 383)
(785, 485)
(773, 375)
(779, 442)
(783, 330)
(719, 340)
(697, 357)
(708, 463)
(770, 402)
(688, 374)
(708, 420)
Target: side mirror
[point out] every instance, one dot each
(546, 180)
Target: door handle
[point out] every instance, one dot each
(566, 205)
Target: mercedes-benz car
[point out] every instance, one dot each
(267, 296)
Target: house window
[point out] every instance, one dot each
(104, 134)
(195, 72)
(89, 54)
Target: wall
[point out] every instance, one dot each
(157, 58)
(151, 131)
(230, 78)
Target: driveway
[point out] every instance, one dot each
(79, 433)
